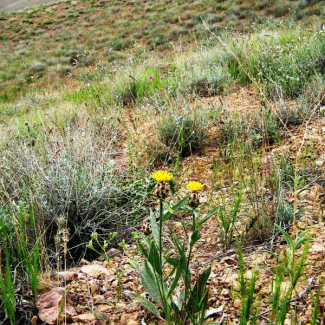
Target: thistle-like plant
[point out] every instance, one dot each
(162, 273)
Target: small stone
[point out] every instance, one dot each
(114, 284)
(225, 292)
(94, 270)
(228, 260)
(84, 262)
(129, 319)
(63, 276)
(103, 289)
(287, 321)
(104, 308)
(317, 248)
(84, 318)
(99, 299)
(49, 304)
(212, 275)
(81, 276)
(94, 288)
(121, 306)
(237, 303)
(248, 275)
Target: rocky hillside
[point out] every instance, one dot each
(16, 5)
(162, 162)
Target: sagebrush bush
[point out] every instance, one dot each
(282, 63)
(61, 69)
(204, 74)
(249, 129)
(184, 133)
(306, 106)
(205, 82)
(75, 177)
(146, 83)
(37, 67)
(289, 65)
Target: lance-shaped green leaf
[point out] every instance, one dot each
(135, 265)
(178, 301)
(175, 208)
(172, 261)
(154, 259)
(208, 216)
(145, 240)
(149, 283)
(179, 270)
(144, 302)
(180, 247)
(196, 235)
(154, 227)
(199, 291)
(143, 250)
(286, 236)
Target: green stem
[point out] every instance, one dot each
(161, 279)
(160, 228)
(187, 283)
(193, 221)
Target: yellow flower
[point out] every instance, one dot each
(194, 186)
(169, 270)
(162, 176)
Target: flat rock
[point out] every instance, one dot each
(317, 248)
(63, 276)
(110, 253)
(84, 318)
(228, 260)
(94, 270)
(129, 319)
(114, 252)
(49, 304)
(104, 308)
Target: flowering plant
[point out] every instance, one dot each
(163, 273)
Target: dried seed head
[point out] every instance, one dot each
(194, 200)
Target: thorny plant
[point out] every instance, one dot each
(162, 273)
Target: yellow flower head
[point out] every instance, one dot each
(162, 176)
(194, 186)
